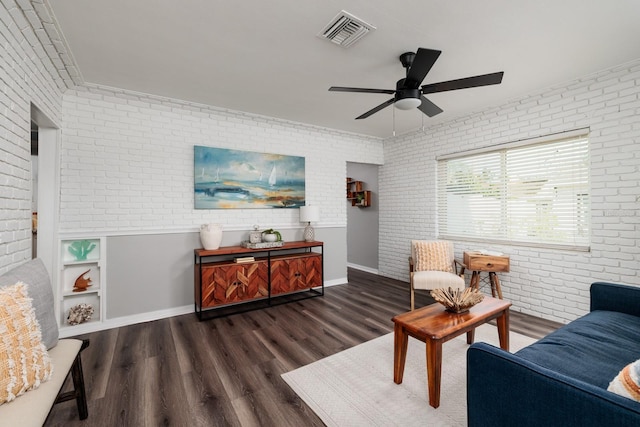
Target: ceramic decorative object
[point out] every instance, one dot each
(80, 249)
(457, 300)
(81, 284)
(210, 236)
(255, 236)
(271, 235)
(79, 314)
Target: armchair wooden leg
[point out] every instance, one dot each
(413, 298)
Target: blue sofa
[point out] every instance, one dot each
(562, 379)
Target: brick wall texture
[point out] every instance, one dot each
(127, 162)
(27, 75)
(549, 283)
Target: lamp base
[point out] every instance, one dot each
(309, 233)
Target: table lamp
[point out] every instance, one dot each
(308, 214)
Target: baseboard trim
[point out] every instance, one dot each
(125, 321)
(334, 282)
(363, 268)
(85, 328)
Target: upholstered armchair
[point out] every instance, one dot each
(432, 265)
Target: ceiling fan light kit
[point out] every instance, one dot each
(407, 103)
(409, 94)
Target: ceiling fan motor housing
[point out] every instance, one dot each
(403, 92)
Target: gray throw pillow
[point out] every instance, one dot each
(34, 274)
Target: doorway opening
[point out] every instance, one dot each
(45, 185)
(34, 190)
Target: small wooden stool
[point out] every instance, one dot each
(492, 264)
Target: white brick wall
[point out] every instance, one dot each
(548, 283)
(127, 162)
(25, 78)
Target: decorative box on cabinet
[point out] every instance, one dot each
(89, 268)
(279, 274)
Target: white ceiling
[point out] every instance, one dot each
(263, 57)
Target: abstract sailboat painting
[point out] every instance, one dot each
(235, 179)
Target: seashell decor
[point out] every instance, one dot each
(79, 314)
(457, 300)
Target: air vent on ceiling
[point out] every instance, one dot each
(345, 29)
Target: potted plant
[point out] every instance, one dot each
(271, 235)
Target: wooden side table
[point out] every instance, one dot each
(477, 262)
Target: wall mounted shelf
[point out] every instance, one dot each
(357, 194)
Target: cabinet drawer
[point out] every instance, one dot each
(478, 262)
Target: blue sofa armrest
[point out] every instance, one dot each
(615, 297)
(506, 390)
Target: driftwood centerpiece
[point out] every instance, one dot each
(457, 300)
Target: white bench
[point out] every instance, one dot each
(33, 407)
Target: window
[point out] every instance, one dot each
(532, 192)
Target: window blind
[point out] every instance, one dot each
(532, 194)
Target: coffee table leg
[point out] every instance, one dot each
(503, 329)
(400, 339)
(434, 370)
(471, 336)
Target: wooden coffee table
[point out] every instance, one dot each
(434, 326)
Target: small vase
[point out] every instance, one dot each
(269, 237)
(210, 236)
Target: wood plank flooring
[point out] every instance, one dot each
(226, 371)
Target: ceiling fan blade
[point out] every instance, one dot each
(468, 82)
(428, 107)
(361, 90)
(376, 109)
(422, 63)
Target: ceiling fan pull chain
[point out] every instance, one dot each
(394, 121)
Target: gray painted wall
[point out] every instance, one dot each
(153, 272)
(362, 223)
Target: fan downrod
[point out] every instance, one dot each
(407, 59)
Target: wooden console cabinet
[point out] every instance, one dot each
(223, 286)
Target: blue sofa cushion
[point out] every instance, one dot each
(593, 348)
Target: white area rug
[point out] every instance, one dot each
(355, 387)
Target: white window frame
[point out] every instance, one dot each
(534, 192)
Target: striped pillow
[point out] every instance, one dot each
(433, 256)
(627, 382)
(24, 361)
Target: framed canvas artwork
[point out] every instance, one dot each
(235, 179)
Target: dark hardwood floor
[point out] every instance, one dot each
(226, 371)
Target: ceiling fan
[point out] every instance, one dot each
(408, 93)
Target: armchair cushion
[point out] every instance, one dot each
(433, 255)
(436, 279)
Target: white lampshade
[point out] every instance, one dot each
(309, 213)
(407, 103)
